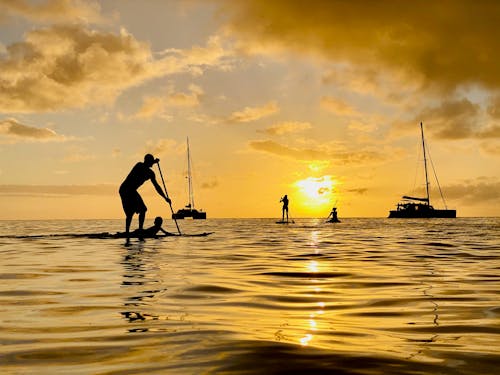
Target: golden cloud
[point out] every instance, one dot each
(157, 106)
(249, 114)
(287, 127)
(71, 66)
(320, 153)
(164, 146)
(14, 131)
(153, 106)
(191, 99)
(337, 106)
(446, 43)
(53, 10)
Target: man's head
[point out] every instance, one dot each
(149, 160)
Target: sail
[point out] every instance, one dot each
(416, 199)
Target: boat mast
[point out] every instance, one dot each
(425, 165)
(190, 182)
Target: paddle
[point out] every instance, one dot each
(170, 203)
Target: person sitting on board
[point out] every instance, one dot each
(151, 232)
(131, 200)
(333, 214)
(285, 208)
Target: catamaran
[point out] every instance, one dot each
(412, 207)
(189, 211)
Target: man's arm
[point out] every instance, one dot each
(159, 189)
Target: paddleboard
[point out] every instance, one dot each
(106, 235)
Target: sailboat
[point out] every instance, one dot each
(411, 207)
(189, 211)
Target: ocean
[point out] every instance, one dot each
(364, 296)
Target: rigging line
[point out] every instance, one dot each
(417, 169)
(436, 177)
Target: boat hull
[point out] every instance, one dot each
(193, 214)
(422, 214)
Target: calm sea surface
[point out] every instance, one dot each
(365, 296)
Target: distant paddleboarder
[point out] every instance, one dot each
(131, 200)
(333, 218)
(284, 208)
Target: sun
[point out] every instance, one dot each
(316, 194)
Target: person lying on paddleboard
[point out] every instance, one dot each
(151, 232)
(131, 200)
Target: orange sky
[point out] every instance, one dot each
(320, 100)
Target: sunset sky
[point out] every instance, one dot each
(320, 100)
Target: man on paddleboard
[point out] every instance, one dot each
(131, 200)
(284, 208)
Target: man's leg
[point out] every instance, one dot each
(128, 221)
(142, 217)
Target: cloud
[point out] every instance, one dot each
(491, 148)
(286, 128)
(494, 107)
(158, 106)
(249, 114)
(57, 190)
(71, 66)
(453, 119)
(164, 146)
(59, 11)
(191, 99)
(13, 131)
(195, 60)
(153, 106)
(480, 190)
(337, 106)
(359, 191)
(341, 156)
(210, 185)
(446, 43)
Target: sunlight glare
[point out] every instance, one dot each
(317, 194)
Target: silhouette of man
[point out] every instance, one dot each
(285, 208)
(131, 200)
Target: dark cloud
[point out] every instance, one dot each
(446, 43)
(453, 119)
(359, 191)
(481, 190)
(494, 107)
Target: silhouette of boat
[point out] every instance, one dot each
(412, 207)
(189, 211)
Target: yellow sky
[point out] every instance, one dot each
(319, 100)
